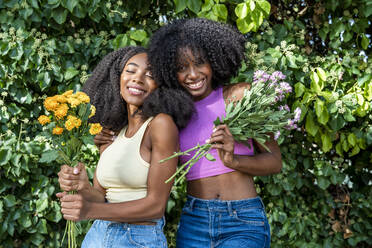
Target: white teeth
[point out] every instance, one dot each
(196, 85)
(135, 90)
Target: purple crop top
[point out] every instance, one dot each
(200, 129)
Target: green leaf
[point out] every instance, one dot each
(41, 205)
(323, 182)
(49, 156)
(194, 5)
(299, 89)
(352, 139)
(244, 26)
(241, 10)
(10, 201)
(180, 5)
(310, 125)
(364, 79)
(314, 85)
(70, 73)
(220, 10)
(265, 6)
(5, 155)
(138, 35)
(59, 15)
(365, 42)
(252, 5)
(326, 142)
(120, 41)
(208, 4)
(322, 75)
(319, 105)
(210, 157)
(70, 5)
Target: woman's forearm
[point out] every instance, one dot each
(92, 194)
(138, 210)
(262, 164)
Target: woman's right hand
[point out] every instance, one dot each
(104, 139)
(73, 178)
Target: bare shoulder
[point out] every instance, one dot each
(235, 91)
(163, 126)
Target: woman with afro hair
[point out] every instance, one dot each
(222, 208)
(128, 196)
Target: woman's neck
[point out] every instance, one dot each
(135, 120)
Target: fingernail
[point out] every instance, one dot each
(114, 137)
(112, 133)
(76, 171)
(207, 140)
(214, 130)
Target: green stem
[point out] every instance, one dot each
(177, 154)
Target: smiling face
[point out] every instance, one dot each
(136, 81)
(194, 74)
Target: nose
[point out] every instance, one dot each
(193, 73)
(139, 77)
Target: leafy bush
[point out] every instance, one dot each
(321, 198)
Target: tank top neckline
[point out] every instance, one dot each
(138, 132)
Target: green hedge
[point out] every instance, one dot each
(323, 196)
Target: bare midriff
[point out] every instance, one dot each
(229, 186)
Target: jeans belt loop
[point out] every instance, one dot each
(229, 207)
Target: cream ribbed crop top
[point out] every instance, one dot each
(121, 170)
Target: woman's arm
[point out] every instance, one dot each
(164, 142)
(76, 178)
(264, 163)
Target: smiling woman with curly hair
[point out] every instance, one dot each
(128, 197)
(222, 208)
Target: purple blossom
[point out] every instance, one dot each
(284, 107)
(285, 87)
(291, 124)
(297, 115)
(276, 135)
(260, 75)
(278, 75)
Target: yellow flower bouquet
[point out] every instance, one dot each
(66, 125)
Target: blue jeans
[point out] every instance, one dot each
(217, 224)
(110, 234)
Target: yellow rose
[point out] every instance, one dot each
(68, 93)
(82, 97)
(60, 98)
(58, 130)
(95, 128)
(69, 124)
(61, 111)
(43, 119)
(50, 104)
(77, 122)
(92, 111)
(73, 101)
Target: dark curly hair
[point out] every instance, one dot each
(103, 88)
(221, 45)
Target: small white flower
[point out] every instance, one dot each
(341, 110)
(3, 108)
(27, 139)
(108, 5)
(283, 44)
(26, 120)
(14, 120)
(338, 103)
(9, 132)
(1, 102)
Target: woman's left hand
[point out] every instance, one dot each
(73, 207)
(222, 140)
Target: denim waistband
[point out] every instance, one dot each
(221, 205)
(158, 223)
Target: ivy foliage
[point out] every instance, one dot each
(322, 197)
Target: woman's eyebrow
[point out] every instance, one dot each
(133, 64)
